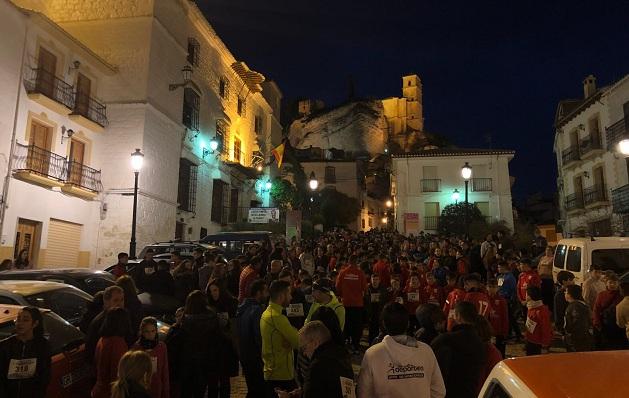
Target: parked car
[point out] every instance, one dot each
(87, 280)
(578, 254)
(70, 370)
(575, 374)
(185, 248)
(66, 301)
(234, 244)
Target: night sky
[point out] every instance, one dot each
(492, 71)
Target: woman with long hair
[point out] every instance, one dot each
(111, 346)
(21, 262)
(134, 375)
(25, 358)
(149, 343)
(131, 301)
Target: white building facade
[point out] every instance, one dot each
(423, 184)
(592, 172)
(139, 56)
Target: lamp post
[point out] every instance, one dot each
(137, 158)
(456, 196)
(466, 173)
(313, 183)
(623, 147)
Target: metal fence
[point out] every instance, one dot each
(90, 108)
(41, 81)
(431, 185)
(481, 184)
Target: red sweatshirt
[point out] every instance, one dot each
(434, 294)
(351, 285)
(603, 301)
(108, 352)
(480, 300)
(412, 299)
(538, 329)
(384, 271)
(448, 309)
(160, 381)
(499, 315)
(247, 276)
(526, 279)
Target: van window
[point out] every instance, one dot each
(495, 390)
(560, 257)
(616, 260)
(573, 260)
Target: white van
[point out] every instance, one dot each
(578, 254)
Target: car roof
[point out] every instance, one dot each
(8, 312)
(27, 288)
(571, 374)
(606, 239)
(78, 272)
(240, 235)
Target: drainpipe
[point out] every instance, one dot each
(7, 178)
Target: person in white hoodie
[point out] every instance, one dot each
(399, 366)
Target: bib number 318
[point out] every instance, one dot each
(22, 368)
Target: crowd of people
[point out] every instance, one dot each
(430, 315)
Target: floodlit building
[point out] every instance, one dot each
(592, 168)
(158, 78)
(424, 183)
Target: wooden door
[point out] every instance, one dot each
(40, 141)
(77, 152)
(46, 69)
(25, 239)
(83, 88)
(578, 188)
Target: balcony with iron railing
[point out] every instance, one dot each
(431, 185)
(481, 185)
(570, 156)
(43, 167)
(590, 146)
(595, 195)
(616, 133)
(89, 108)
(574, 202)
(49, 90)
(431, 223)
(620, 199)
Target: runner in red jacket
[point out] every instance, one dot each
(433, 293)
(476, 295)
(413, 297)
(498, 316)
(539, 333)
(528, 277)
(456, 295)
(383, 269)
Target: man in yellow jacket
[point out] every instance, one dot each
(324, 297)
(279, 339)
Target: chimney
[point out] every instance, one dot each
(589, 86)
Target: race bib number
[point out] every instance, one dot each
(413, 297)
(347, 387)
(451, 314)
(295, 310)
(482, 308)
(399, 300)
(22, 368)
(154, 364)
(309, 299)
(500, 282)
(530, 325)
(149, 271)
(375, 297)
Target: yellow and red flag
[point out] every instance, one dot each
(278, 153)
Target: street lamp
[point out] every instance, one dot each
(388, 203)
(466, 173)
(313, 183)
(456, 196)
(623, 146)
(137, 159)
(384, 220)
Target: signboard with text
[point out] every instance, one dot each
(411, 223)
(263, 215)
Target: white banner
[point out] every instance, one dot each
(263, 215)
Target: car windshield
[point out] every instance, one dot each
(616, 260)
(67, 302)
(59, 332)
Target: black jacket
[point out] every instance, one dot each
(330, 362)
(13, 349)
(135, 390)
(578, 327)
(248, 328)
(162, 282)
(197, 345)
(93, 334)
(461, 355)
(141, 274)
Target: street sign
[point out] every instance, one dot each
(263, 215)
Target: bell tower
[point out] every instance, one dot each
(412, 92)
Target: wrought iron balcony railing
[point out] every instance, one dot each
(616, 133)
(431, 185)
(83, 176)
(574, 201)
(595, 193)
(590, 144)
(481, 185)
(431, 223)
(570, 154)
(620, 199)
(41, 81)
(90, 108)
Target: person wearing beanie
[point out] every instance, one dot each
(578, 321)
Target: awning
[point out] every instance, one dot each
(251, 78)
